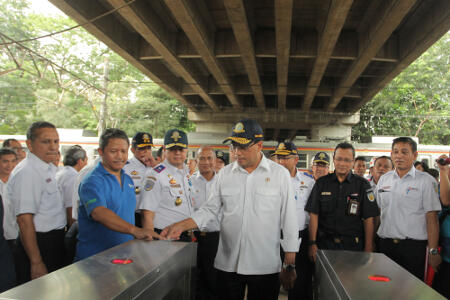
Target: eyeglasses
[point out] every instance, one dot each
(236, 146)
(18, 148)
(346, 160)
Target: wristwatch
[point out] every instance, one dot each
(433, 251)
(288, 267)
(310, 243)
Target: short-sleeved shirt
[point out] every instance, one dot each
(10, 227)
(137, 170)
(404, 203)
(101, 188)
(329, 200)
(33, 189)
(201, 189)
(80, 177)
(66, 177)
(167, 192)
(302, 187)
(255, 208)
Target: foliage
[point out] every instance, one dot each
(415, 103)
(68, 92)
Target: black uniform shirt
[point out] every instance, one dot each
(329, 200)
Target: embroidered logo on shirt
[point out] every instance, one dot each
(91, 201)
(268, 179)
(134, 173)
(149, 184)
(48, 180)
(158, 169)
(131, 186)
(326, 194)
(411, 189)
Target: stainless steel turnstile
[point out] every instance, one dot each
(350, 275)
(159, 270)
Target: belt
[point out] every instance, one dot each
(51, 233)
(338, 240)
(398, 241)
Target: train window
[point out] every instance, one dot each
(302, 161)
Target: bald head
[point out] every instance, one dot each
(206, 160)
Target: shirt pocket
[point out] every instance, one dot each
(230, 200)
(266, 200)
(327, 204)
(50, 197)
(413, 201)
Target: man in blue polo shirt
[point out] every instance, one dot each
(108, 201)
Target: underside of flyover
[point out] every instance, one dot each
(299, 67)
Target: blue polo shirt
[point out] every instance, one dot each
(101, 188)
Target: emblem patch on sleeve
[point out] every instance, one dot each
(158, 169)
(371, 196)
(149, 184)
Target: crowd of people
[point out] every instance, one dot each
(258, 220)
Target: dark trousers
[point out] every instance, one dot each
(304, 267)
(208, 242)
(441, 282)
(410, 254)
(7, 272)
(53, 252)
(137, 219)
(340, 242)
(70, 242)
(231, 286)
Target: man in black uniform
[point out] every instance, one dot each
(342, 208)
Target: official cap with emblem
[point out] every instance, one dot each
(222, 156)
(142, 139)
(246, 131)
(321, 157)
(175, 138)
(285, 149)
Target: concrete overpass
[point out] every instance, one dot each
(300, 67)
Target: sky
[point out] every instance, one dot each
(44, 7)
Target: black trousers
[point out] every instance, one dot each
(70, 242)
(304, 267)
(231, 286)
(7, 272)
(137, 219)
(53, 252)
(410, 254)
(208, 242)
(441, 282)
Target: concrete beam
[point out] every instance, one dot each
(371, 41)
(202, 39)
(145, 21)
(337, 14)
(238, 19)
(122, 41)
(414, 41)
(283, 26)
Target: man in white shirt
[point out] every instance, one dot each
(167, 190)
(16, 146)
(208, 239)
(409, 202)
(74, 160)
(287, 156)
(255, 199)
(38, 204)
(137, 166)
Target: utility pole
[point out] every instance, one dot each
(103, 107)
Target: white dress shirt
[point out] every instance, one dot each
(75, 197)
(137, 170)
(201, 189)
(255, 207)
(66, 177)
(10, 227)
(33, 189)
(164, 184)
(302, 187)
(404, 202)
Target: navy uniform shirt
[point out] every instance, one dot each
(329, 200)
(101, 188)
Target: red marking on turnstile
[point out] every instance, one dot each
(119, 261)
(379, 278)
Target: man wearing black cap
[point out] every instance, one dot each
(220, 161)
(167, 188)
(255, 199)
(342, 208)
(287, 156)
(137, 166)
(321, 165)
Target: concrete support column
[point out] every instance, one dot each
(339, 130)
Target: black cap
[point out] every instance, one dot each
(222, 156)
(142, 139)
(175, 138)
(246, 131)
(321, 157)
(285, 149)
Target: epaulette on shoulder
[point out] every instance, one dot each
(309, 175)
(158, 169)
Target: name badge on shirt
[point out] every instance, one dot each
(326, 194)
